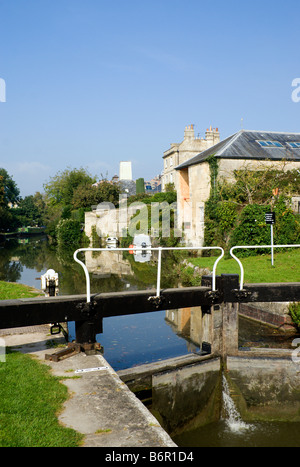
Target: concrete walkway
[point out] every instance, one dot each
(100, 405)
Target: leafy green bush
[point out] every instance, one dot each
(251, 228)
(287, 226)
(294, 309)
(69, 232)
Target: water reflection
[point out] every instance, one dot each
(127, 340)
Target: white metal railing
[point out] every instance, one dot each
(139, 249)
(254, 246)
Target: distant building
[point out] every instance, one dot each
(127, 185)
(181, 152)
(154, 185)
(125, 170)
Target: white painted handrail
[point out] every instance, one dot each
(240, 247)
(138, 249)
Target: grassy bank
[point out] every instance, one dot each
(30, 398)
(13, 290)
(258, 269)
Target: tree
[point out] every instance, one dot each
(170, 187)
(9, 195)
(2, 192)
(86, 195)
(61, 187)
(9, 192)
(31, 210)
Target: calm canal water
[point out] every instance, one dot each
(127, 340)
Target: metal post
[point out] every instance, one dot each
(85, 332)
(253, 246)
(272, 246)
(158, 273)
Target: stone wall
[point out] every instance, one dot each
(274, 314)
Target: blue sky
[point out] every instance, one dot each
(90, 83)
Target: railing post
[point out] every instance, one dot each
(159, 249)
(158, 273)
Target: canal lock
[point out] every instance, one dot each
(186, 394)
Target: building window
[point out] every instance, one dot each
(270, 144)
(294, 145)
(171, 161)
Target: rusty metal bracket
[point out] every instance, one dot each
(72, 349)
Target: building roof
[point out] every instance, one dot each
(252, 145)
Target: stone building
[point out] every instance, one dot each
(250, 149)
(188, 148)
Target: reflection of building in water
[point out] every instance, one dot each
(181, 319)
(104, 263)
(191, 324)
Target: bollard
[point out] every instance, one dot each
(49, 283)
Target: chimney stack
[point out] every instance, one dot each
(212, 136)
(189, 132)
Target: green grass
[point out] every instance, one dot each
(258, 269)
(30, 398)
(12, 290)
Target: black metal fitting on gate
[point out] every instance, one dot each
(157, 301)
(86, 309)
(242, 294)
(213, 295)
